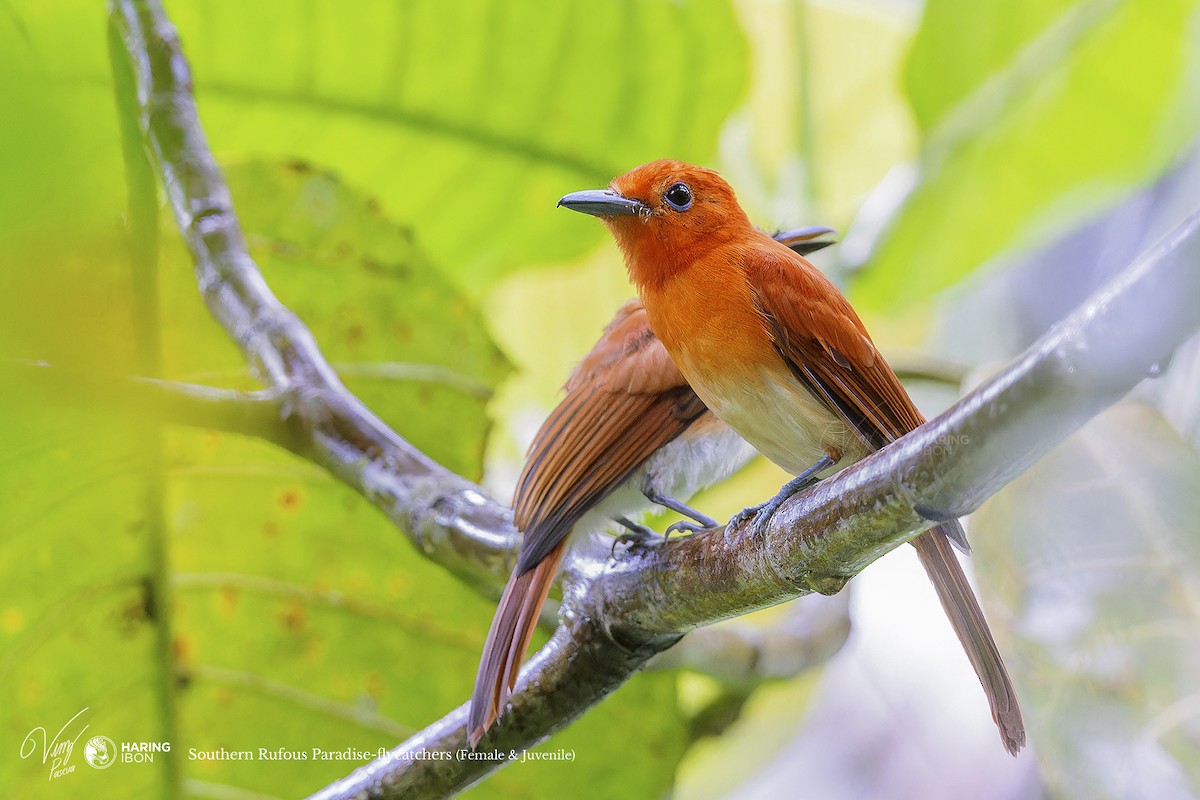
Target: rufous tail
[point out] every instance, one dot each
(509, 637)
(958, 600)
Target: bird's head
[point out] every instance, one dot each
(664, 215)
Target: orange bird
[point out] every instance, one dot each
(629, 434)
(774, 349)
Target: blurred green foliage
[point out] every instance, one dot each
(469, 118)
(1034, 117)
(1108, 613)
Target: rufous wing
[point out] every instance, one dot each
(625, 401)
(826, 348)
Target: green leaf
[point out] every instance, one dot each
(406, 340)
(301, 619)
(469, 120)
(410, 344)
(1092, 555)
(1031, 127)
(980, 42)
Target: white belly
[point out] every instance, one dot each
(783, 421)
(706, 453)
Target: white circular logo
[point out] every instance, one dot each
(100, 752)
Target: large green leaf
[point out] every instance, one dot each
(405, 339)
(960, 46)
(1032, 125)
(1093, 555)
(469, 119)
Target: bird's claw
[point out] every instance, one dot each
(761, 519)
(758, 516)
(640, 538)
(762, 513)
(686, 525)
(745, 515)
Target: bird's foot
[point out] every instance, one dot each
(698, 521)
(687, 526)
(635, 537)
(762, 513)
(744, 515)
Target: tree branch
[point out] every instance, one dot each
(741, 655)
(446, 516)
(617, 613)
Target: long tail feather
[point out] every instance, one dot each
(507, 640)
(972, 630)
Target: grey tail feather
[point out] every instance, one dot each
(966, 617)
(507, 640)
(957, 536)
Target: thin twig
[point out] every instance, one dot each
(924, 367)
(743, 656)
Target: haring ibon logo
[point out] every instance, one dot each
(100, 752)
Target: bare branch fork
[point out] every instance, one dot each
(616, 614)
(447, 517)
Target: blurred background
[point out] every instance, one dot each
(396, 165)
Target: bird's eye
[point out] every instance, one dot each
(678, 196)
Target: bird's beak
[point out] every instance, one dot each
(603, 203)
(806, 240)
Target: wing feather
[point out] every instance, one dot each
(827, 348)
(625, 401)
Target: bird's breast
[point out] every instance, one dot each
(714, 333)
(708, 317)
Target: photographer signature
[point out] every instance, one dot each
(56, 751)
